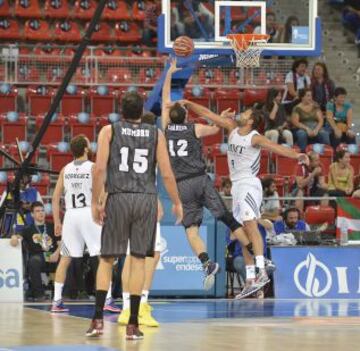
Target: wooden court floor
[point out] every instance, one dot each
(207, 325)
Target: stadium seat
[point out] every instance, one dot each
(14, 152)
(229, 98)
(102, 104)
(264, 161)
(10, 29)
(38, 30)
(119, 75)
(42, 185)
(211, 140)
(67, 31)
(28, 74)
(87, 129)
(149, 75)
(116, 10)
(279, 181)
(57, 158)
(127, 32)
(286, 166)
(46, 52)
(211, 76)
(5, 8)
(73, 103)
(55, 74)
(27, 9)
(39, 99)
(326, 155)
(254, 95)
(12, 130)
(82, 75)
(316, 215)
(204, 99)
(84, 9)
(221, 165)
(138, 10)
(8, 99)
(55, 131)
(109, 51)
(57, 9)
(102, 33)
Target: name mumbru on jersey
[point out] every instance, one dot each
(177, 128)
(135, 132)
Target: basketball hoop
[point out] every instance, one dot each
(247, 48)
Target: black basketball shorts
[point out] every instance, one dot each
(129, 217)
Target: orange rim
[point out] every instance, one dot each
(243, 41)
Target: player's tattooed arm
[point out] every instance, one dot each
(166, 94)
(56, 203)
(260, 140)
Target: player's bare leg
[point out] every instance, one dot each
(103, 279)
(198, 247)
(60, 276)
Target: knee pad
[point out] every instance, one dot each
(229, 220)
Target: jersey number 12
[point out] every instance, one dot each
(140, 164)
(182, 148)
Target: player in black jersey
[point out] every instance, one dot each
(127, 156)
(195, 187)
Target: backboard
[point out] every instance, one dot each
(293, 25)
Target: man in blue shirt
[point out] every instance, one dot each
(291, 222)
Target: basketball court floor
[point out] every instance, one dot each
(270, 325)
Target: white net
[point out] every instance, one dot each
(248, 49)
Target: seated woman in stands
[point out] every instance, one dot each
(339, 118)
(341, 175)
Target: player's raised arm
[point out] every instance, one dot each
(168, 176)
(260, 140)
(99, 172)
(223, 121)
(59, 188)
(166, 94)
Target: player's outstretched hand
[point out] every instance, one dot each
(178, 212)
(98, 213)
(57, 228)
(228, 113)
(173, 68)
(303, 158)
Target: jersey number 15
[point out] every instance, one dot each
(140, 164)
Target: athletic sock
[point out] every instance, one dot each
(250, 272)
(108, 295)
(144, 296)
(134, 309)
(126, 300)
(260, 262)
(100, 297)
(204, 258)
(58, 287)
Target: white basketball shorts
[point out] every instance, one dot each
(80, 229)
(247, 197)
(157, 240)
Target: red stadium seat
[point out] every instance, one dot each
(27, 73)
(57, 9)
(27, 9)
(10, 29)
(39, 99)
(12, 130)
(119, 75)
(5, 8)
(73, 103)
(103, 32)
(116, 10)
(14, 152)
(58, 159)
(204, 99)
(67, 31)
(82, 75)
(102, 104)
(286, 166)
(8, 100)
(55, 74)
(87, 129)
(109, 51)
(55, 131)
(211, 76)
(84, 9)
(127, 32)
(38, 30)
(326, 157)
(315, 215)
(43, 184)
(264, 161)
(149, 75)
(221, 165)
(138, 10)
(279, 181)
(254, 95)
(227, 99)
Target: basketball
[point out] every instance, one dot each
(183, 46)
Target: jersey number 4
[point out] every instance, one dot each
(140, 164)
(181, 148)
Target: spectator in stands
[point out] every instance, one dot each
(356, 194)
(42, 249)
(274, 29)
(341, 175)
(339, 115)
(310, 180)
(276, 125)
(321, 85)
(290, 221)
(28, 195)
(271, 206)
(351, 17)
(225, 193)
(291, 22)
(308, 121)
(152, 11)
(295, 80)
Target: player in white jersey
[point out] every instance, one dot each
(78, 229)
(244, 146)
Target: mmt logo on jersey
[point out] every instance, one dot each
(317, 272)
